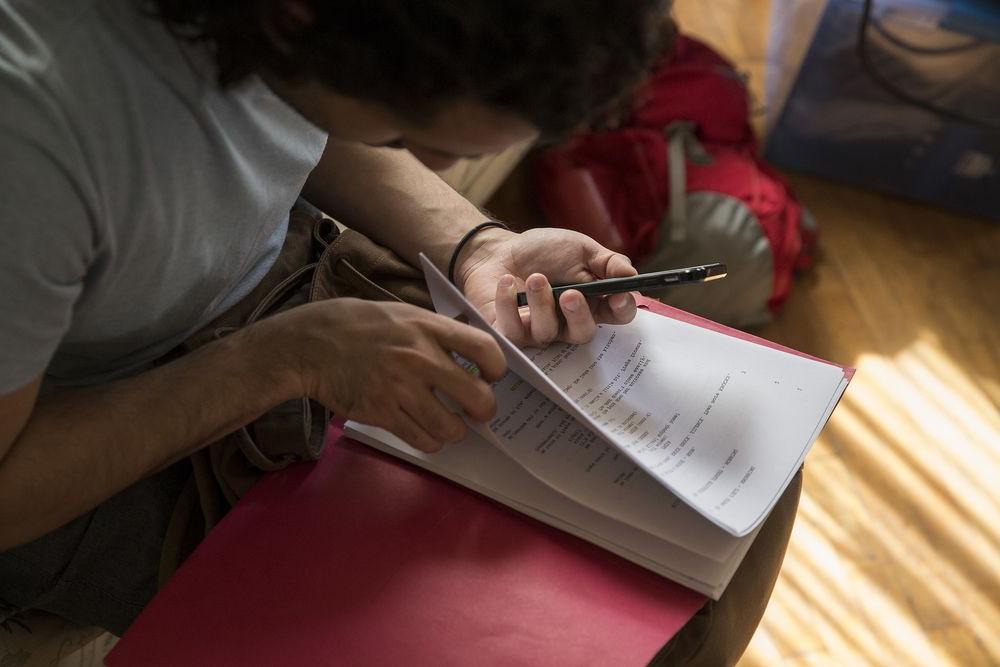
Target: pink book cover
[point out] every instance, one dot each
(362, 559)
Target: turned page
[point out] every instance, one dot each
(720, 421)
(723, 422)
(552, 445)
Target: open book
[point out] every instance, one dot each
(665, 441)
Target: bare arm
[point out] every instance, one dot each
(379, 363)
(391, 197)
(66, 453)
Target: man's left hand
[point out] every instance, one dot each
(503, 263)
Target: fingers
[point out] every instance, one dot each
(425, 407)
(544, 323)
(616, 309)
(470, 393)
(580, 318)
(609, 264)
(424, 413)
(542, 326)
(508, 319)
(580, 325)
(407, 429)
(477, 346)
(620, 266)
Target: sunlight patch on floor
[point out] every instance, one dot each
(895, 555)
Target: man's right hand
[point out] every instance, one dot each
(381, 362)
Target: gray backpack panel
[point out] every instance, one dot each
(718, 228)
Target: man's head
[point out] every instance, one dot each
(411, 70)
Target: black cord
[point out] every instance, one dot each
(899, 93)
(465, 239)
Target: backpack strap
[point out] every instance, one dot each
(682, 145)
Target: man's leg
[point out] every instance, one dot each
(100, 569)
(719, 634)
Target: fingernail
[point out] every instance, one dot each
(507, 282)
(536, 283)
(618, 301)
(571, 303)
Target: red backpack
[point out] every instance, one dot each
(682, 182)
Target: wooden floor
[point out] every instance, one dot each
(895, 555)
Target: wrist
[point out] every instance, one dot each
(266, 351)
(478, 249)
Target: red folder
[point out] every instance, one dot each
(361, 559)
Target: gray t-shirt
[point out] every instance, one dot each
(137, 199)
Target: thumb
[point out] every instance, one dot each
(609, 264)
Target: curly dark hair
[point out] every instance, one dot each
(556, 63)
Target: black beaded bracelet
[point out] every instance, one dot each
(465, 239)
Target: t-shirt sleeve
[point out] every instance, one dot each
(47, 241)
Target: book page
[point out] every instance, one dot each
(722, 422)
(553, 446)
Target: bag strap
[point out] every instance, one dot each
(298, 278)
(368, 281)
(312, 429)
(682, 145)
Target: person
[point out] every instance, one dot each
(150, 153)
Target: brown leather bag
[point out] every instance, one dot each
(317, 261)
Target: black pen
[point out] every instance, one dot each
(658, 279)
